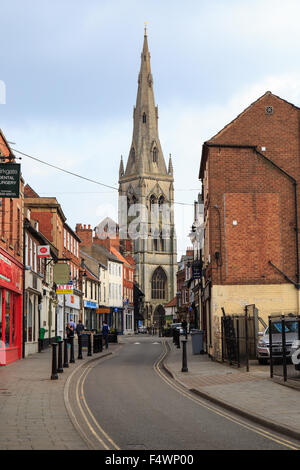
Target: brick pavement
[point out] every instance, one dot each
(32, 407)
(249, 393)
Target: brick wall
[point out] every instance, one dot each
(248, 189)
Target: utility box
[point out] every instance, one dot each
(197, 341)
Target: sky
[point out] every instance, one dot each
(68, 83)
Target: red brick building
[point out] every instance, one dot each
(250, 171)
(52, 224)
(11, 268)
(184, 275)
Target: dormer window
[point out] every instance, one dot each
(144, 118)
(133, 154)
(155, 154)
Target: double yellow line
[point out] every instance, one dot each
(94, 428)
(256, 429)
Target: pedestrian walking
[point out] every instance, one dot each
(105, 331)
(73, 324)
(69, 332)
(79, 328)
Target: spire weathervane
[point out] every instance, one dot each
(145, 27)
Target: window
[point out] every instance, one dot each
(34, 258)
(11, 213)
(26, 249)
(155, 154)
(30, 254)
(132, 154)
(65, 238)
(3, 217)
(18, 229)
(8, 299)
(158, 284)
(144, 118)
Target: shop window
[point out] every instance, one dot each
(14, 321)
(7, 317)
(29, 322)
(0, 318)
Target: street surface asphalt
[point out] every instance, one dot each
(134, 408)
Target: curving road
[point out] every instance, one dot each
(134, 407)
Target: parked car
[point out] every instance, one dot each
(178, 327)
(142, 329)
(263, 345)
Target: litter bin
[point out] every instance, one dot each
(197, 341)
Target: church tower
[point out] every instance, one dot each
(149, 182)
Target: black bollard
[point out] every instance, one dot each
(79, 347)
(184, 358)
(173, 333)
(72, 358)
(100, 343)
(54, 375)
(60, 357)
(89, 345)
(66, 363)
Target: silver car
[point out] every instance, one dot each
(263, 345)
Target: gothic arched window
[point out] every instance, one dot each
(155, 154)
(133, 154)
(144, 117)
(159, 284)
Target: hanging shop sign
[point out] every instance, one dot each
(61, 273)
(64, 289)
(43, 251)
(103, 310)
(10, 180)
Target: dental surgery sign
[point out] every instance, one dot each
(9, 180)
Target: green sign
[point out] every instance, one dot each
(61, 273)
(9, 180)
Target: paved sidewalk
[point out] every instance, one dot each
(251, 394)
(32, 407)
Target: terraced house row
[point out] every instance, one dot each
(42, 258)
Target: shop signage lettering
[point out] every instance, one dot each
(89, 304)
(10, 180)
(64, 289)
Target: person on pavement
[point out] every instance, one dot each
(79, 328)
(73, 324)
(105, 331)
(69, 332)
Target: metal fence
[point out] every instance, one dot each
(238, 339)
(284, 346)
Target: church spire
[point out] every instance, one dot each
(145, 154)
(121, 169)
(170, 169)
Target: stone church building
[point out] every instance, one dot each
(148, 181)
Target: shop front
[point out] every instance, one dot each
(11, 278)
(69, 305)
(90, 317)
(116, 319)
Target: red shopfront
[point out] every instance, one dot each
(11, 275)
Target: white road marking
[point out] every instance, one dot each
(137, 343)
